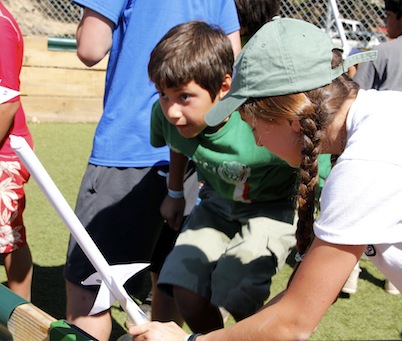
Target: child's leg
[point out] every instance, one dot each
(186, 273)
(118, 207)
(79, 304)
(200, 315)
(241, 279)
(163, 305)
(164, 308)
(18, 265)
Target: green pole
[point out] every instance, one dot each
(61, 44)
(61, 330)
(9, 301)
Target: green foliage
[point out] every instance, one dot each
(64, 148)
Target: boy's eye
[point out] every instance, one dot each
(162, 95)
(185, 96)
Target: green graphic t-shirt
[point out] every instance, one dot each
(229, 160)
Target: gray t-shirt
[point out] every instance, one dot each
(384, 73)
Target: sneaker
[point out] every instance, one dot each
(390, 288)
(350, 287)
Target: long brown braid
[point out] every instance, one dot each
(314, 109)
(308, 177)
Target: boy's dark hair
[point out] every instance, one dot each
(193, 51)
(394, 6)
(255, 13)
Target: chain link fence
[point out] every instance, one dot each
(363, 19)
(52, 18)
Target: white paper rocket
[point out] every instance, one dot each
(110, 278)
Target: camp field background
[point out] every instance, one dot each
(63, 149)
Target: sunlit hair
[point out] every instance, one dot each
(314, 109)
(193, 51)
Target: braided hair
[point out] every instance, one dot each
(315, 110)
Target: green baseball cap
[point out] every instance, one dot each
(285, 56)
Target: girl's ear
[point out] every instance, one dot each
(227, 82)
(295, 124)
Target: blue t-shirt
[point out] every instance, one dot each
(122, 138)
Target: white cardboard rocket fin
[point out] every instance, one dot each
(120, 273)
(6, 94)
(104, 300)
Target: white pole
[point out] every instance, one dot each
(46, 184)
(335, 11)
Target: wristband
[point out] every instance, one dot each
(298, 257)
(191, 337)
(175, 194)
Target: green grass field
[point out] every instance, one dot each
(63, 148)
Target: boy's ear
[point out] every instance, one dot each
(227, 82)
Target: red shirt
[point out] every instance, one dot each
(11, 58)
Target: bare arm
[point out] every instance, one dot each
(94, 37)
(172, 209)
(234, 37)
(7, 114)
(313, 290)
(295, 316)
(177, 169)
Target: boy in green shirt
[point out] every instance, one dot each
(241, 232)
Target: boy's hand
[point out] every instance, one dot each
(172, 210)
(158, 331)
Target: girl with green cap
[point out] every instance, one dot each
(290, 86)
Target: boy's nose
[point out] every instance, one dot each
(174, 111)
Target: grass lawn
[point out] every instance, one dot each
(63, 148)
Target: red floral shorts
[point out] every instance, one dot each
(13, 176)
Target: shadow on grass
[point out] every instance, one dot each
(366, 276)
(48, 290)
(48, 293)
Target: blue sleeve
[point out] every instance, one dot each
(229, 20)
(109, 9)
